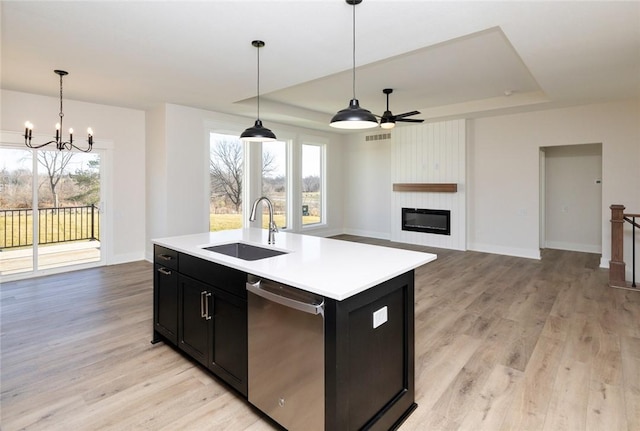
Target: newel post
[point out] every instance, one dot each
(616, 264)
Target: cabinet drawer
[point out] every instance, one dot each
(165, 302)
(225, 278)
(165, 257)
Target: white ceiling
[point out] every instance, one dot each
(443, 58)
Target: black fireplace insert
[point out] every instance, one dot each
(426, 220)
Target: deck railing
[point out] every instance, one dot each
(617, 266)
(55, 225)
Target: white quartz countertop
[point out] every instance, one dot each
(328, 267)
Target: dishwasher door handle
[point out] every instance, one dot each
(283, 300)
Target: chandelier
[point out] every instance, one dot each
(61, 144)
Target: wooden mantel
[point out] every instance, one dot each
(426, 187)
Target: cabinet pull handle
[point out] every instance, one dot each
(164, 271)
(165, 257)
(202, 301)
(206, 303)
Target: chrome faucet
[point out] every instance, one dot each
(272, 225)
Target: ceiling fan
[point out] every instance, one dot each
(388, 120)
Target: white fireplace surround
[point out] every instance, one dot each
(430, 153)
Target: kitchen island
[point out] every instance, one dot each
(363, 365)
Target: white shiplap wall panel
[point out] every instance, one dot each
(430, 153)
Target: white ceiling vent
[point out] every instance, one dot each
(378, 137)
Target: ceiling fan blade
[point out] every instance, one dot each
(409, 120)
(407, 114)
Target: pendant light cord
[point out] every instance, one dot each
(354, 49)
(258, 89)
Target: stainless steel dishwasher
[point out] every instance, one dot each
(286, 354)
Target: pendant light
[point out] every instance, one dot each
(258, 133)
(354, 117)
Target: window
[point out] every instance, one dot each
(312, 184)
(226, 169)
(274, 181)
(289, 172)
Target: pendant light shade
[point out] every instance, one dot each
(258, 133)
(354, 117)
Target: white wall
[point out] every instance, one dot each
(178, 169)
(156, 173)
(427, 153)
(573, 198)
(367, 186)
(503, 175)
(125, 130)
(502, 170)
(503, 167)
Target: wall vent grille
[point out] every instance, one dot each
(378, 137)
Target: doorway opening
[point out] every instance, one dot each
(571, 198)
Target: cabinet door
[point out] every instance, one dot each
(193, 326)
(165, 302)
(228, 354)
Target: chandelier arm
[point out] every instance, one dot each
(60, 145)
(70, 145)
(28, 144)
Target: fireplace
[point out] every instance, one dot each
(426, 220)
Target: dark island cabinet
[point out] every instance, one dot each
(200, 308)
(210, 314)
(193, 323)
(228, 347)
(165, 294)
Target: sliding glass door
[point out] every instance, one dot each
(50, 219)
(16, 211)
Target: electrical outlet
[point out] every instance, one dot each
(380, 317)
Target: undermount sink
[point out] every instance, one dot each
(245, 251)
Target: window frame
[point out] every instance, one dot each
(322, 144)
(288, 174)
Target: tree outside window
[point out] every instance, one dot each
(226, 168)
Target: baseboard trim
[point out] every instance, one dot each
(569, 246)
(507, 251)
(368, 234)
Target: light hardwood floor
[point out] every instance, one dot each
(502, 343)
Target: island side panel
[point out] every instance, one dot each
(370, 371)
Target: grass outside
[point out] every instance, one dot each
(219, 222)
(226, 221)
